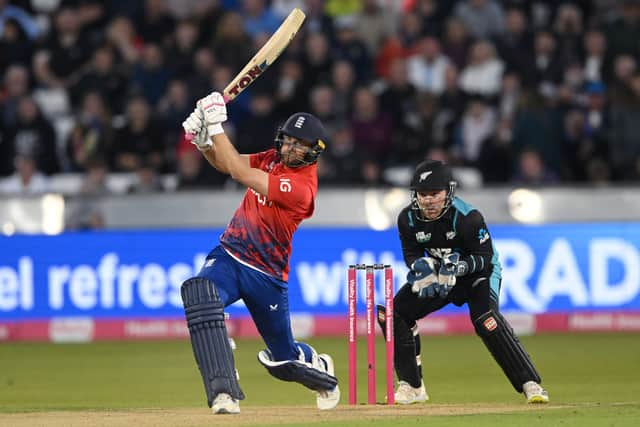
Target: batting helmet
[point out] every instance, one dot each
(308, 128)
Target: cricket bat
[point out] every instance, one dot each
(266, 56)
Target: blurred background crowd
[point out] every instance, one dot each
(520, 92)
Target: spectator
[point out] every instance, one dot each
(625, 128)
(150, 76)
(399, 96)
(373, 25)
(57, 63)
(597, 63)
(514, 46)
(231, 44)
(317, 61)
(343, 80)
(192, 172)
(262, 122)
(146, 180)
(23, 19)
(323, 103)
(182, 49)
(258, 18)
(139, 140)
(427, 67)
(33, 135)
(456, 42)
(26, 180)
(289, 93)
(483, 18)
(153, 23)
(568, 32)
(15, 87)
(341, 164)
(483, 74)
(121, 33)
(477, 125)
(91, 136)
(103, 76)
(547, 70)
(87, 212)
(15, 46)
(349, 47)
(372, 128)
(173, 107)
(532, 171)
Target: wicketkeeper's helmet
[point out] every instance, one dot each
(432, 175)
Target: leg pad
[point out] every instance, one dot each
(504, 345)
(209, 340)
(314, 378)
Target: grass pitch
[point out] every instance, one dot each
(593, 380)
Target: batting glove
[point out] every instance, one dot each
(214, 111)
(196, 130)
(422, 276)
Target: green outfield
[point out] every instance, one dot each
(593, 380)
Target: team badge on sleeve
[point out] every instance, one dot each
(483, 235)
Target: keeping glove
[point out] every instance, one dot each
(196, 131)
(214, 111)
(422, 276)
(449, 268)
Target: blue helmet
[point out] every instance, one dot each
(306, 127)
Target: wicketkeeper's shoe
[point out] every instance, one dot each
(534, 392)
(328, 399)
(406, 394)
(225, 404)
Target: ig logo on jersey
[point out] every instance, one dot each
(285, 185)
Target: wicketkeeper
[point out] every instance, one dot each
(447, 246)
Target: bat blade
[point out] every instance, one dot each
(266, 56)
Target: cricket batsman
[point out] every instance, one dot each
(251, 261)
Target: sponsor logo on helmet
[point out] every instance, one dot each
(424, 175)
(490, 324)
(422, 237)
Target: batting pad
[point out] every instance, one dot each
(297, 371)
(209, 340)
(506, 349)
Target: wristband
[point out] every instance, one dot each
(215, 129)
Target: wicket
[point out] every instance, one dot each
(370, 319)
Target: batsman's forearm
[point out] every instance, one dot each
(227, 155)
(210, 155)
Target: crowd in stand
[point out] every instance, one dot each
(525, 92)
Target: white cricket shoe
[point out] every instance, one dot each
(534, 392)
(406, 394)
(225, 404)
(328, 399)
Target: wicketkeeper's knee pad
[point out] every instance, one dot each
(504, 345)
(310, 374)
(206, 322)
